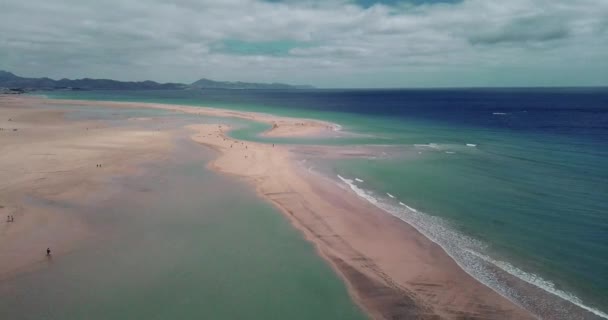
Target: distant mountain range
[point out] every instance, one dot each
(10, 80)
(211, 84)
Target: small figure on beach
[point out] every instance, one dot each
(48, 252)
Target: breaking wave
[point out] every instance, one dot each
(469, 255)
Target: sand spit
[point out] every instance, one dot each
(391, 270)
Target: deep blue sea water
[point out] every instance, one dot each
(512, 178)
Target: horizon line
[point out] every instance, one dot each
(604, 86)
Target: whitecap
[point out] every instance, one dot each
(429, 145)
(358, 180)
(471, 145)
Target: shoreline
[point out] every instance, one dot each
(390, 269)
(370, 270)
(281, 126)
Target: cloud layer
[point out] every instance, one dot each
(326, 43)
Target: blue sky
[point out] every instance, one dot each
(331, 43)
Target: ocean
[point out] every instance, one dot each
(510, 182)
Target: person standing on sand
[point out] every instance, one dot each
(48, 252)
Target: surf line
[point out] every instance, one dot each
(532, 279)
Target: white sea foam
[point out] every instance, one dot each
(429, 145)
(499, 113)
(360, 192)
(466, 251)
(411, 209)
(358, 180)
(450, 152)
(538, 281)
(390, 195)
(471, 145)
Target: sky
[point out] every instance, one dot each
(331, 43)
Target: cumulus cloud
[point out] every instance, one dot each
(470, 42)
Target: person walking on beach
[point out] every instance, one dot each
(48, 252)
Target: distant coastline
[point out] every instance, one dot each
(11, 83)
(14, 84)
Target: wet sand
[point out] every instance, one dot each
(392, 270)
(44, 156)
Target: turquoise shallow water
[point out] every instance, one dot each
(503, 211)
(180, 242)
(526, 198)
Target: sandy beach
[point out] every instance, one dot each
(43, 158)
(391, 270)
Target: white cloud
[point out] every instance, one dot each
(463, 43)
